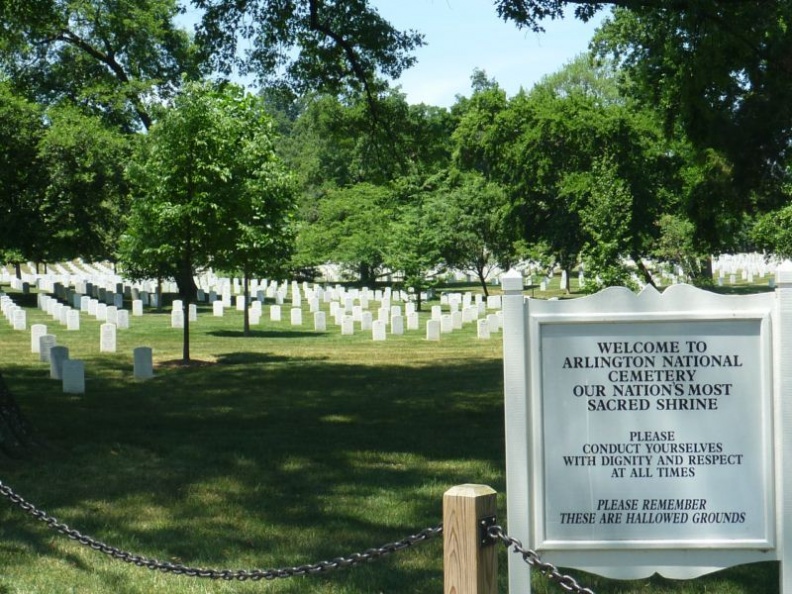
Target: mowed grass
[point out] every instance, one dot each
(279, 449)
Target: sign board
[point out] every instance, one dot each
(644, 431)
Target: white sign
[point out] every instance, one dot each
(646, 433)
(655, 433)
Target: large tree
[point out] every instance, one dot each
(472, 217)
(720, 72)
(21, 178)
(115, 58)
(86, 194)
(348, 229)
(544, 145)
(308, 44)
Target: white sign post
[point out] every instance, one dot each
(646, 433)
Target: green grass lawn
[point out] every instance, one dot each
(282, 448)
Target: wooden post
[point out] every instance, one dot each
(468, 566)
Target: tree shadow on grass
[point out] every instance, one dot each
(301, 443)
(265, 334)
(248, 358)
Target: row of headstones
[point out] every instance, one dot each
(13, 313)
(753, 264)
(349, 313)
(440, 323)
(71, 372)
(70, 316)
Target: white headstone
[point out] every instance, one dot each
(122, 319)
(483, 329)
(73, 319)
(320, 321)
(107, 338)
(437, 312)
(446, 324)
(36, 332)
(366, 320)
(46, 342)
(101, 312)
(73, 374)
(413, 321)
(275, 313)
(378, 330)
(217, 308)
(397, 325)
(193, 312)
(58, 354)
(111, 314)
(20, 319)
(296, 316)
(177, 318)
(137, 307)
(432, 330)
(143, 363)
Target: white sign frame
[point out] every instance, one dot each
(633, 558)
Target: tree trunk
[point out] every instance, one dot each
(245, 291)
(159, 294)
(16, 433)
(18, 270)
(186, 333)
(187, 291)
(644, 271)
(482, 280)
(706, 271)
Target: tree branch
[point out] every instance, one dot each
(108, 60)
(348, 49)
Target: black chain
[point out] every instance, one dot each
(549, 570)
(532, 558)
(217, 574)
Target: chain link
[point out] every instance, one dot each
(532, 558)
(217, 574)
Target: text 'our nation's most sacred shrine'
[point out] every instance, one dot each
(645, 375)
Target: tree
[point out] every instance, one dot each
(202, 170)
(261, 204)
(21, 178)
(605, 208)
(115, 58)
(315, 45)
(348, 229)
(86, 193)
(772, 231)
(720, 73)
(472, 217)
(544, 145)
(413, 247)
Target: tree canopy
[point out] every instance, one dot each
(115, 58)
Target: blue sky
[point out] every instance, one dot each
(462, 35)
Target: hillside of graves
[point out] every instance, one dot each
(300, 442)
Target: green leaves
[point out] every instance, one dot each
(209, 190)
